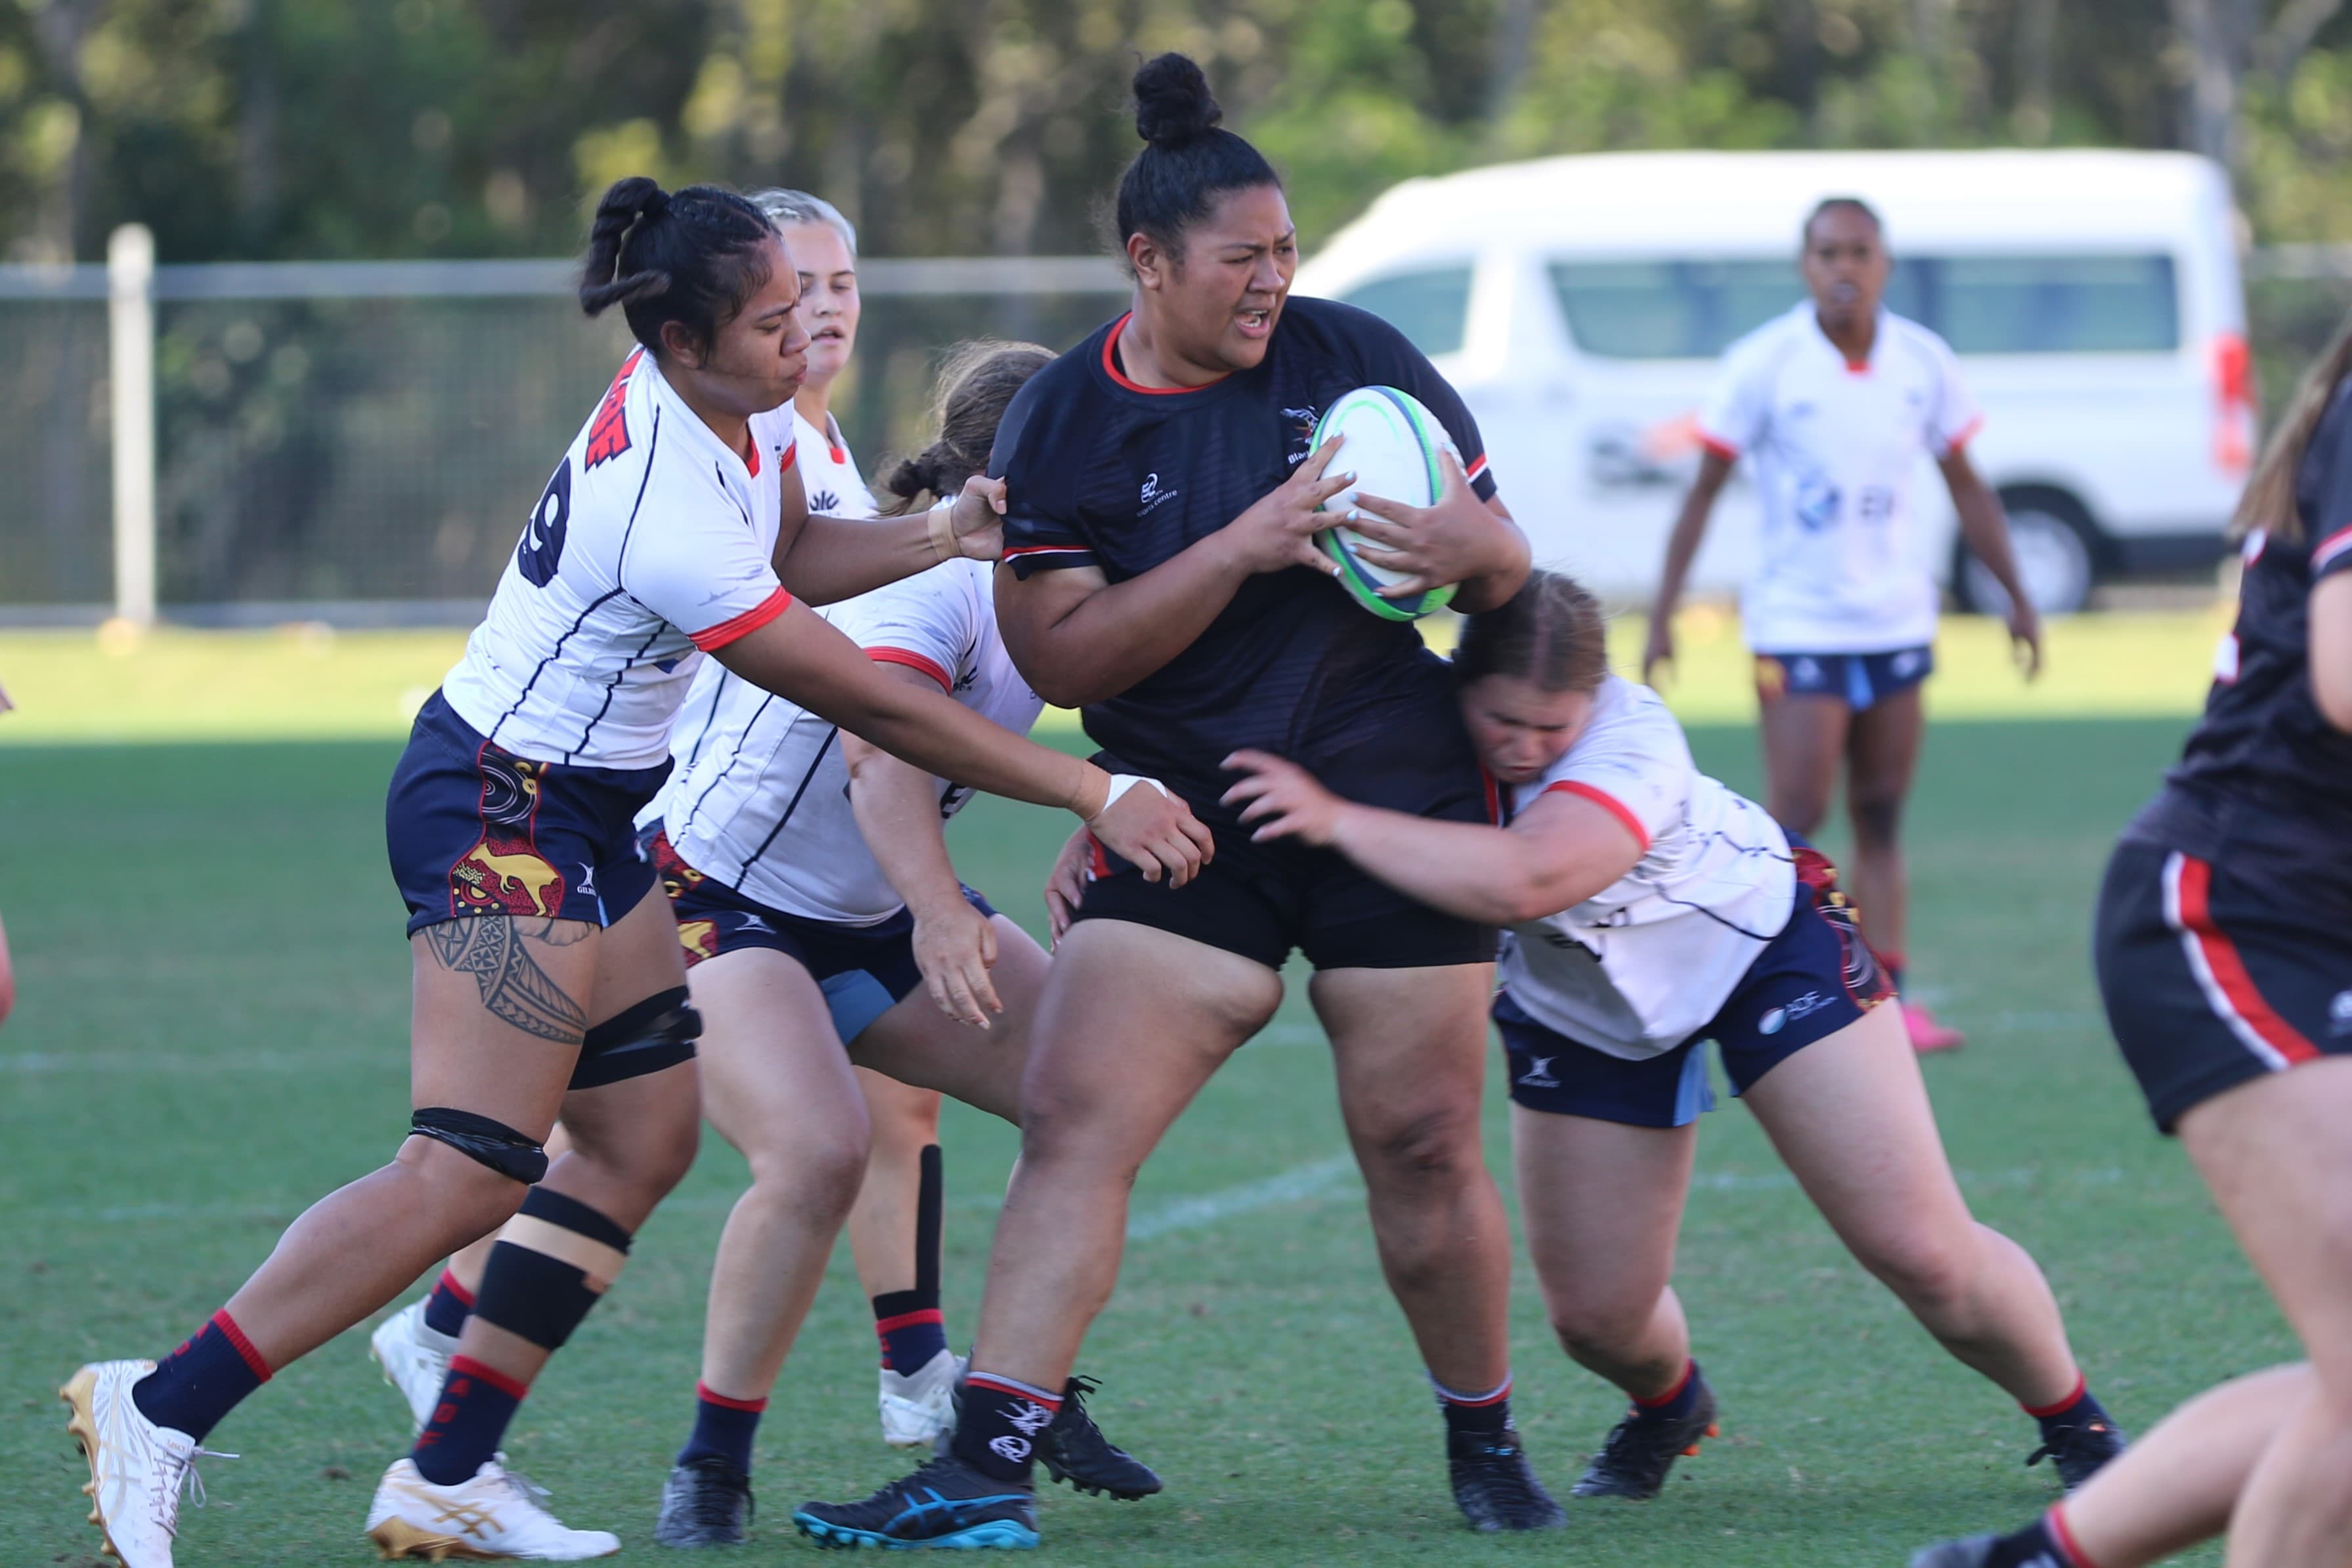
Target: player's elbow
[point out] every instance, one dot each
(2333, 698)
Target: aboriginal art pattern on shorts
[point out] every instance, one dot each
(1864, 978)
(504, 873)
(699, 937)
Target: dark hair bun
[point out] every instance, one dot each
(1173, 102)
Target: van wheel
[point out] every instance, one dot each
(2057, 548)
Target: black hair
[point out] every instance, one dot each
(692, 257)
(1839, 203)
(1187, 160)
(1550, 632)
(976, 385)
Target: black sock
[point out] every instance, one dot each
(191, 1389)
(2035, 1546)
(1486, 1414)
(723, 1428)
(999, 1425)
(445, 1310)
(1676, 1402)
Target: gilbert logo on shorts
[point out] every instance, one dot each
(1538, 1073)
(1781, 1017)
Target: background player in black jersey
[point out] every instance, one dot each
(2225, 947)
(1161, 497)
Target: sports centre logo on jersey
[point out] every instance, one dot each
(608, 433)
(1151, 495)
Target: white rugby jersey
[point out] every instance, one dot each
(1835, 450)
(828, 473)
(652, 543)
(1638, 967)
(761, 796)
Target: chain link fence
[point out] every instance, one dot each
(359, 442)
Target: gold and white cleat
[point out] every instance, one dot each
(493, 1517)
(138, 1470)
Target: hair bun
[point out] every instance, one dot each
(1173, 102)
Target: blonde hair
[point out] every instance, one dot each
(2268, 502)
(976, 385)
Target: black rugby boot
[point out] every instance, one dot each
(1074, 1450)
(706, 1502)
(1495, 1487)
(1639, 1450)
(2082, 1446)
(946, 1503)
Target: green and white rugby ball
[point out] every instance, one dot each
(1390, 443)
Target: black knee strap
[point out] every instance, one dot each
(483, 1140)
(658, 1032)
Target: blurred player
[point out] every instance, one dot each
(816, 904)
(1652, 909)
(1833, 404)
(2224, 951)
(8, 970)
(546, 980)
(1160, 573)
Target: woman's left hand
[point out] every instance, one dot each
(978, 519)
(1283, 798)
(1452, 541)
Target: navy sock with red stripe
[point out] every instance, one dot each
(477, 1403)
(999, 1423)
(1486, 1414)
(912, 1329)
(191, 1389)
(723, 1428)
(1676, 1402)
(2077, 1409)
(446, 1308)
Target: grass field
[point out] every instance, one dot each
(211, 1033)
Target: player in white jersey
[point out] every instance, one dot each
(1834, 405)
(816, 904)
(1651, 909)
(546, 981)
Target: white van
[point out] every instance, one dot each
(1580, 305)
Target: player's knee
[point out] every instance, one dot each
(1935, 1279)
(470, 1196)
(1877, 819)
(1428, 1147)
(1599, 1328)
(819, 1169)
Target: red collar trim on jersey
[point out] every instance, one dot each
(751, 454)
(1110, 366)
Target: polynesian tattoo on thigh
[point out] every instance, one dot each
(495, 950)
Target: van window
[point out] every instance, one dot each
(1431, 308)
(1692, 309)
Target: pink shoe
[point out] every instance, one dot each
(1927, 1035)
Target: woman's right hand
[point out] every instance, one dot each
(1278, 530)
(1658, 648)
(1154, 832)
(1065, 884)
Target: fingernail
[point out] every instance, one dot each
(1355, 515)
(1349, 477)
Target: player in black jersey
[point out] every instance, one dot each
(2224, 946)
(1161, 497)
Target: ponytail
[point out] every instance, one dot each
(692, 258)
(976, 385)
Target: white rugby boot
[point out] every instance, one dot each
(138, 1470)
(414, 1359)
(919, 1405)
(491, 1517)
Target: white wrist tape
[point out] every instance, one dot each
(943, 533)
(1121, 783)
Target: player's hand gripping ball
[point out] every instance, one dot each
(1392, 443)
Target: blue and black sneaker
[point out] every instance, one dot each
(1494, 1485)
(946, 1503)
(706, 1502)
(1639, 1450)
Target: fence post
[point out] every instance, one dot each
(130, 358)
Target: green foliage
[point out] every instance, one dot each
(321, 128)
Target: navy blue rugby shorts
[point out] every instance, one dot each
(864, 971)
(474, 829)
(1860, 679)
(1811, 980)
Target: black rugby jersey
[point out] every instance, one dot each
(2264, 771)
(1102, 472)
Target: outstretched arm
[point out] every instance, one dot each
(824, 560)
(1682, 549)
(1560, 852)
(1986, 528)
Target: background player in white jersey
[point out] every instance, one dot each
(1833, 404)
(545, 979)
(816, 904)
(893, 1231)
(1651, 910)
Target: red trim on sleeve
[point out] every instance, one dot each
(2329, 548)
(914, 661)
(1110, 366)
(1967, 433)
(1477, 466)
(1719, 446)
(712, 639)
(1607, 802)
(466, 1366)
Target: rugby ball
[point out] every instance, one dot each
(1389, 442)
